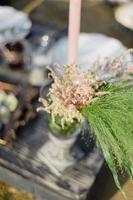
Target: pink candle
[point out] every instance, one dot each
(74, 30)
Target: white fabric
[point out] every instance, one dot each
(124, 15)
(13, 22)
(91, 47)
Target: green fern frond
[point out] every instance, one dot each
(111, 117)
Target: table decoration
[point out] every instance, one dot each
(124, 15)
(16, 55)
(57, 150)
(13, 23)
(16, 109)
(106, 104)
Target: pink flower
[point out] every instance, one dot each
(69, 93)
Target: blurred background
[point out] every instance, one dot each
(37, 44)
(97, 16)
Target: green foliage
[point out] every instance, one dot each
(111, 117)
(4, 192)
(57, 128)
(7, 196)
(10, 193)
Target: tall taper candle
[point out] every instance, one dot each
(74, 30)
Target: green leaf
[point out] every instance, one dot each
(111, 117)
(57, 128)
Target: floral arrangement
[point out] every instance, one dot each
(108, 107)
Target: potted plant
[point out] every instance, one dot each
(106, 104)
(65, 121)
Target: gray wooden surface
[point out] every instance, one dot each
(22, 159)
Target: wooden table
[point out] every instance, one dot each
(23, 168)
